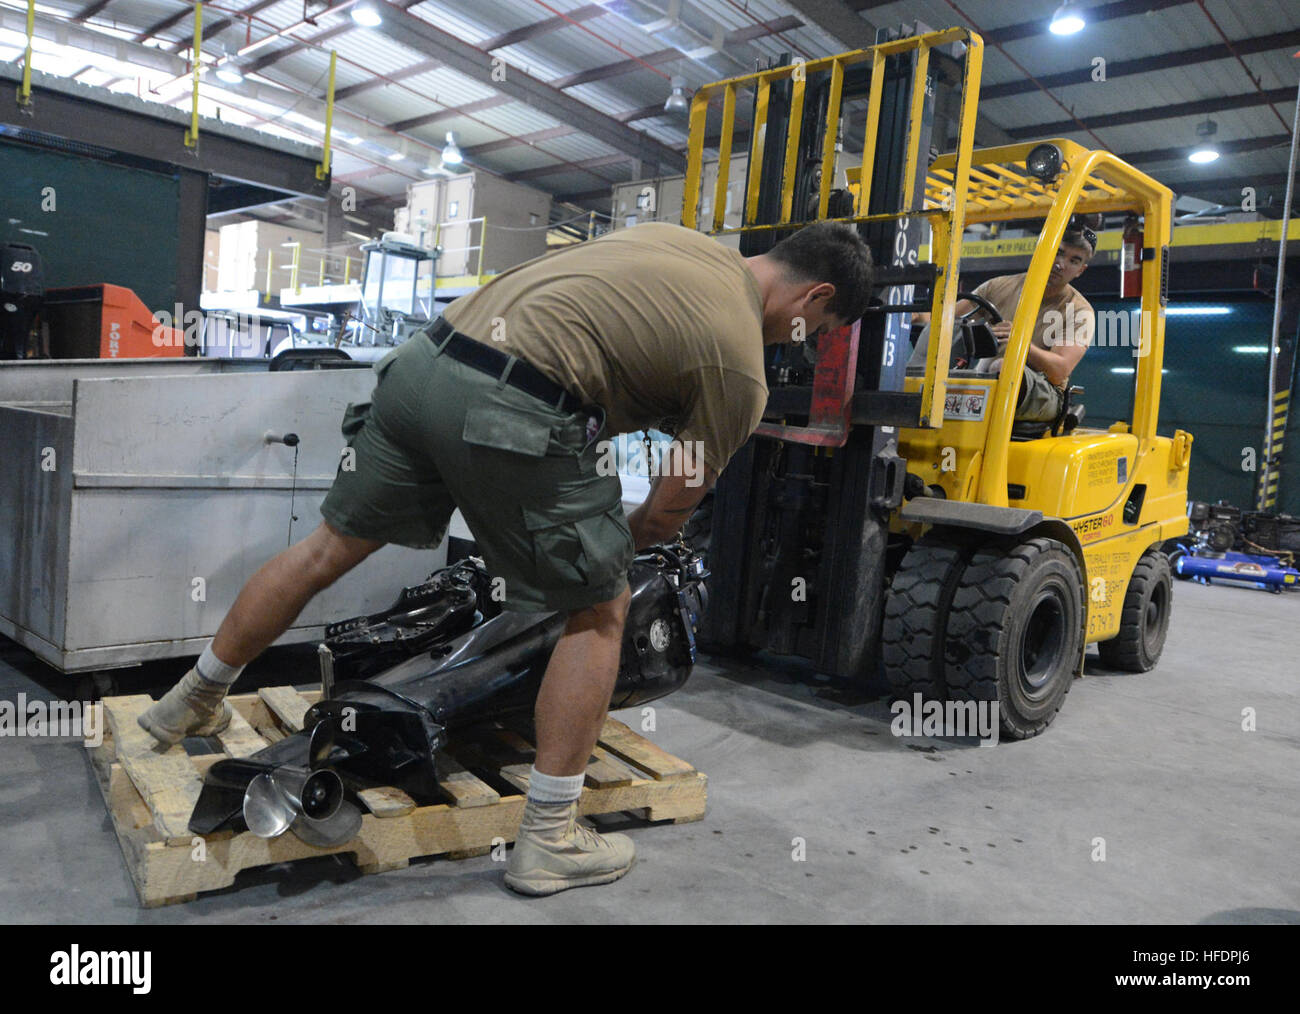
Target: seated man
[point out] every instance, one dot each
(1062, 333)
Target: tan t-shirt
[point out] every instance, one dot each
(1066, 320)
(659, 325)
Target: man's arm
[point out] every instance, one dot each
(1056, 364)
(674, 495)
(1059, 360)
(960, 307)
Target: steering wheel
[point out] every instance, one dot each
(980, 304)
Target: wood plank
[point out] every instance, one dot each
(621, 741)
(603, 769)
(606, 770)
(462, 787)
(239, 738)
(310, 692)
(163, 776)
(386, 801)
(288, 706)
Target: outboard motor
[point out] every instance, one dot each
(22, 289)
(442, 659)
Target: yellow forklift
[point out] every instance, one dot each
(896, 520)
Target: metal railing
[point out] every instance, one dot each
(332, 268)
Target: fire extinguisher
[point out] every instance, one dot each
(1130, 259)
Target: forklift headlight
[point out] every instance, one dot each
(1044, 162)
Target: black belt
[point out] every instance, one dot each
(494, 362)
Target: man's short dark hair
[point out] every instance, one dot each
(830, 252)
(1082, 232)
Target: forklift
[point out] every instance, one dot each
(896, 521)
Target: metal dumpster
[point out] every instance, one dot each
(137, 496)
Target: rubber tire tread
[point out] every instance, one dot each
(1127, 649)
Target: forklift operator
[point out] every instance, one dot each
(502, 408)
(1062, 333)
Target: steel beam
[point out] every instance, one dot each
(90, 10)
(644, 113)
(476, 64)
(477, 150)
(585, 196)
(1152, 113)
(608, 70)
(191, 223)
(378, 82)
(219, 25)
(297, 45)
(1144, 64)
(1225, 147)
(158, 137)
(565, 167)
(449, 114)
(834, 17)
(1095, 15)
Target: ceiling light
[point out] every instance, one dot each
(677, 99)
(396, 156)
(1067, 20)
(229, 73)
(451, 154)
(1206, 151)
(367, 15)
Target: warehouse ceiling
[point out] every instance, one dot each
(567, 96)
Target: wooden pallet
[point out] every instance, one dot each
(150, 792)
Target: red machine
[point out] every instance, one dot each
(106, 322)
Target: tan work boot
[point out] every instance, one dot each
(193, 707)
(554, 852)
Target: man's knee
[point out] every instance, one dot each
(332, 553)
(605, 616)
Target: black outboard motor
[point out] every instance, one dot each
(443, 658)
(22, 290)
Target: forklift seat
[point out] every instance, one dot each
(1066, 421)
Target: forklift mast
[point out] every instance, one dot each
(800, 544)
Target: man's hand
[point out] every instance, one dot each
(674, 495)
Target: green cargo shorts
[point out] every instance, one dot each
(438, 434)
(1040, 399)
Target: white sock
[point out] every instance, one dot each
(551, 790)
(214, 670)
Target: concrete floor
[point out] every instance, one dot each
(1199, 817)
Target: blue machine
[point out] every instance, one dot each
(1262, 571)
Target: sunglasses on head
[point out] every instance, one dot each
(1088, 235)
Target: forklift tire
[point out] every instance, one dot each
(916, 616)
(1015, 632)
(1145, 619)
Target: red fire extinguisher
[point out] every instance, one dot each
(1130, 259)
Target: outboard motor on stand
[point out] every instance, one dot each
(22, 289)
